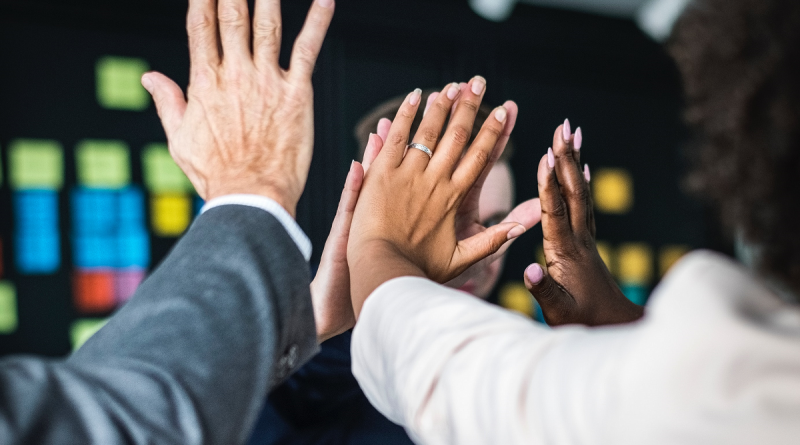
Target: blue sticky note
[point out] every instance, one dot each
(38, 253)
(35, 211)
(131, 209)
(198, 205)
(95, 251)
(94, 212)
(133, 249)
(637, 294)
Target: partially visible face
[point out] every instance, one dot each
(496, 201)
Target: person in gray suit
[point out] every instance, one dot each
(228, 314)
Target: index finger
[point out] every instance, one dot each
(309, 42)
(201, 27)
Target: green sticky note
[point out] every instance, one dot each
(36, 164)
(103, 164)
(8, 308)
(83, 329)
(161, 173)
(119, 83)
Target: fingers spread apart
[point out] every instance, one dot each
(309, 42)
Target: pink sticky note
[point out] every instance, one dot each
(126, 282)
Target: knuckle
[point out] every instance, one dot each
(267, 30)
(470, 105)
(198, 22)
(232, 15)
(305, 52)
(481, 157)
(429, 134)
(461, 134)
(558, 210)
(440, 108)
(397, 139)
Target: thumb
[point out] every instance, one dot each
(484, 244)
(556, 303)
(169, 100)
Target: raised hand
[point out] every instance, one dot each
(248, 125)
(330, 290)
(405, 220)
(577, 287)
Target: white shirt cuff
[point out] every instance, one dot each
(268, 205)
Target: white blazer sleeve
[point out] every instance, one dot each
(453, 369)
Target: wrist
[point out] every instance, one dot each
(282, 199)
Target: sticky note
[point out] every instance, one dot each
(37, 254)
(103, 164)
(126, 282)
(35, 211)
(94, 211)
(607, 254)
(637, 294)
(93, 291)
(613, 190)
(161, 173)
(8, 308)
(36, 164)
(515, 297)
(133, 249)
(95, 251)
(635, 264)
(131, 209)
(83, 329)
(170, 214)
(119, 84)
(198, 205)
(669, 255)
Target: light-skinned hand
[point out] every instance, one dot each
(330, 290)
(248, 125)
(405, 219)
(576, 287)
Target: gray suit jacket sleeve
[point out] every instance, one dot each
(190, 358)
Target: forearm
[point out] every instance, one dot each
(373, 264)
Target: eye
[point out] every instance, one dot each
(493, 220)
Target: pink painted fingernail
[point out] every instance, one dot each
(500, 114)
(478, 85)
(551, 158)
(534, 273)
(325, 3)
(578, 142)
(415, 97)
(586, 173)
(431, 100)
(516, 232)
(452, 92)
(567, 130)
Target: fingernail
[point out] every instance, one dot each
(352, 164)
(578, 142)
(586, 173)
(551, 158)
(534, 273)
(415, 96)
(147, 83)
(325, 3)
(501, 114)
(567, 130)
(452, 91)
(478, 85)
(516, 232)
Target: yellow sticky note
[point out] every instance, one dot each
(515, 297)
(119, 83)
(36, 164)
(635, 264)
(669, 255)
(170, 214)
(613, 190)
(607, 254)
(83, 329)
(8, 308)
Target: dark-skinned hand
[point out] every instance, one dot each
(576, 287)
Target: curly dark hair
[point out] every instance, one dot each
(740, 61)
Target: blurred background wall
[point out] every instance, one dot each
(90, 200)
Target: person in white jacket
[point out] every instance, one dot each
(716, 357)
